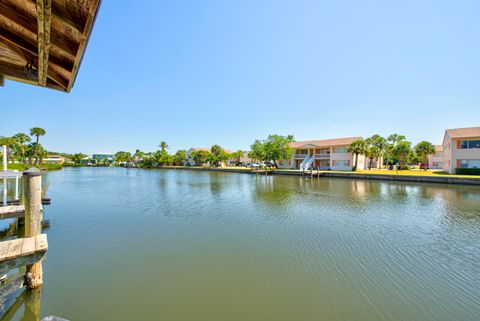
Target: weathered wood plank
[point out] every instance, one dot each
(41, 243)
(9, 265)
(14, 250)
(4, 248)
(44, 19)
(28, 246)
(12, 211)
(2, 81)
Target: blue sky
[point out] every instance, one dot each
(198, 73)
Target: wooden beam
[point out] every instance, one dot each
(44, 20)
(87, 30)
(64, 36)
(24, 50)
(2, 81)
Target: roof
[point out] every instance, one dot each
(43, 42)
(463, 132)
(325, 142)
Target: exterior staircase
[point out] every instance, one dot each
(307, 162)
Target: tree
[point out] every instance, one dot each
(424, 149)
(402, 151)
(237, 156)
(257, 150)
(395, 138)
(217, 155)
(123, 157)
(10, 142)
(380, 145)
(21, 139)
(76, 158)
(180, 157)
(138, 155)
(274, 148)
(392, 141)
(163, 145)
(200, 157)
(37, 132)
(163, 158)
(358, 147)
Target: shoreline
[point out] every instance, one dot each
(348, 175)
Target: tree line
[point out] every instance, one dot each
(394, 149)
(25, 148)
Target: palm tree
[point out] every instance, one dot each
(402, 151)
(395, 138)
(358, 147)
(380, 144)
(424, 149)
(21, 139)
(10, 143)
(37, 132)
(163, 145)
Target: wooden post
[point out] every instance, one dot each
(32, 189)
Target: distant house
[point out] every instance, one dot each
(326, 154)
(461, 149)
(87, 160)
(55, 159)
(435, 161)
(103, 157)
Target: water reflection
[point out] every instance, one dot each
(216, 246)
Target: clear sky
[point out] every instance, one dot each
(198, 73)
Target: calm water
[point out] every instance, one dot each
(181, 245)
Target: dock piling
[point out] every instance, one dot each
(32, 188)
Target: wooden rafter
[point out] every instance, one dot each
(44, 19)
(43, 41)
(2, 81)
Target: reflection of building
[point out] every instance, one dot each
(324, 154)
(435, 161)
(55, 159)
(461, 149)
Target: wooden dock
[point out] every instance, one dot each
(12, 211)
(16, 248)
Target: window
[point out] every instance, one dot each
(345, 163)
(470, 163)
(341, 149)
(467, 144)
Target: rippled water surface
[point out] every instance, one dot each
(129, 244)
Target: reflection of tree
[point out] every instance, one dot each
(275, 190)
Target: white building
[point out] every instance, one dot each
(461, 149)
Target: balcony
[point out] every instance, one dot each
(322, 156)
(300, 156)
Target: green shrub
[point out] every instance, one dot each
(467, 171)
(44, 167)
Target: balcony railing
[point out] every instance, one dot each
(322, 156)
(300, 155)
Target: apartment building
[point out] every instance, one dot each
(327, 154)
(461, 149)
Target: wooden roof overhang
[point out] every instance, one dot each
(42, 42)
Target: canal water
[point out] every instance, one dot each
(131, 244)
